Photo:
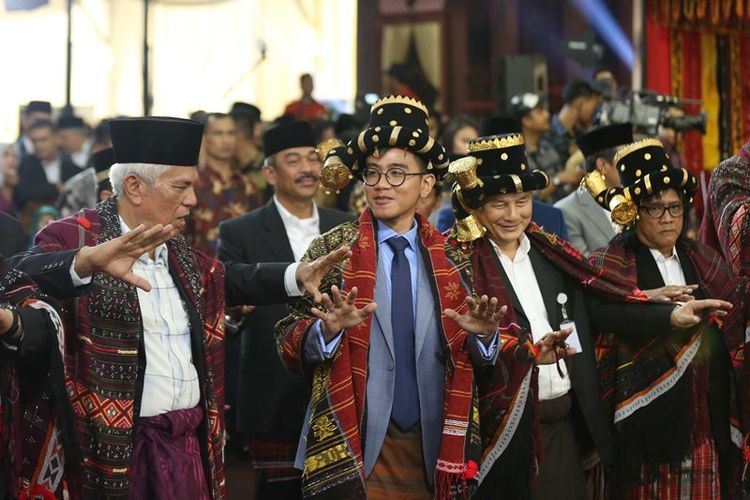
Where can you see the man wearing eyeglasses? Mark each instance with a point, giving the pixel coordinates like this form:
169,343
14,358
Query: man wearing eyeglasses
391,350
269,400
678,426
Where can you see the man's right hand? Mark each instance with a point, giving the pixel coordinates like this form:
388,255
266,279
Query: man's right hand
340,312
553,347
117,256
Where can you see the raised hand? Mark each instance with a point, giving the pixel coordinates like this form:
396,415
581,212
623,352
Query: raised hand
340,312
672,293
482,318
310,274
117,256
552,347
692,313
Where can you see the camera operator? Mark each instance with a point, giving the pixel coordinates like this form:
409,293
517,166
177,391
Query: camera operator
671,137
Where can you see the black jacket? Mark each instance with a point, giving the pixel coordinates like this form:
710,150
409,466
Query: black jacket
271,400
13,238
32,181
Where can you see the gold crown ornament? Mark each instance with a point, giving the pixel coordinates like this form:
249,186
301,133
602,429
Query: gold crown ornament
334,175
468,227
621,207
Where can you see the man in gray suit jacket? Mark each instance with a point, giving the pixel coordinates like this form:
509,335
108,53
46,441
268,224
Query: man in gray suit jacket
393,406
589,225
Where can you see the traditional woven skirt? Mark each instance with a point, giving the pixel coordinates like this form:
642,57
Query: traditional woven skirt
697,478
399,471
167,461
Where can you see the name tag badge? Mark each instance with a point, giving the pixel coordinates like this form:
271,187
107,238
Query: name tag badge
573,340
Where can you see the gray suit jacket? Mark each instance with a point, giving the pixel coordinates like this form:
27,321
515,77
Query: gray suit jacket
381,373
588,225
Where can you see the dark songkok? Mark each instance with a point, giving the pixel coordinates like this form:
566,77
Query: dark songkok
39,106
156,140
239,108
605,138
499,125
294,134
70,121
102,161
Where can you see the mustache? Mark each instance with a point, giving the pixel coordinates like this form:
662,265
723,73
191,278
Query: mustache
306,175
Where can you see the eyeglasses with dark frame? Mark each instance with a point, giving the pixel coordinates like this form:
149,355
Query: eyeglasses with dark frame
393,176
657,211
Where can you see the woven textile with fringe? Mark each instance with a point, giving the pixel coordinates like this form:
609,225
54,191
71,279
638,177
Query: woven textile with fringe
36,427
102,360
507,391
334,462
648,385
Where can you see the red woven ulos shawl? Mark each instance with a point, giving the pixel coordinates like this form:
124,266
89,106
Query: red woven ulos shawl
334,461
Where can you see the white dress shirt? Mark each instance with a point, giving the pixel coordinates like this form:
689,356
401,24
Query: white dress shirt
82,156
523,279
300,232
53,170
171,380
669,267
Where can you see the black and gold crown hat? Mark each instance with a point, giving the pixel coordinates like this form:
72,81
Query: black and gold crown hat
495,165
395,122
645,169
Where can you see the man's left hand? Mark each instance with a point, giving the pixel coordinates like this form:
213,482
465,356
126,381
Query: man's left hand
482,318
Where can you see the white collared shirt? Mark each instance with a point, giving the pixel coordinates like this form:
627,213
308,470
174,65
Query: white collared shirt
669,267
300,232
82,156
53,170
524,282
171,380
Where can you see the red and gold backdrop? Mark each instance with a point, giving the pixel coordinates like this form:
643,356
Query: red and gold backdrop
695,49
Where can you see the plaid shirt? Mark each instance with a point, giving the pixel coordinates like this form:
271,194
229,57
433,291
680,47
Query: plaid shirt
171,380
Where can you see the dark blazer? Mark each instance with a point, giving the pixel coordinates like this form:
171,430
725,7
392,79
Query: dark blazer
13,238
32,181
271,400
590,314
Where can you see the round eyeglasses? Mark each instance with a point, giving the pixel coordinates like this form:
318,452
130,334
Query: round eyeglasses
657,211
394,176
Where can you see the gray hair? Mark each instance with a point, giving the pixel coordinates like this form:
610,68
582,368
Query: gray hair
149,173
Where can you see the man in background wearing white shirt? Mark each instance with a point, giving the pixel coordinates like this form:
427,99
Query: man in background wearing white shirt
270,400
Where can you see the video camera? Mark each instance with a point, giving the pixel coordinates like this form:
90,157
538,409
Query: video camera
647,110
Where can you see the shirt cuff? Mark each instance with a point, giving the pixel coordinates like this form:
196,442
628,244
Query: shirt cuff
77,280
290,281
327,348
488,351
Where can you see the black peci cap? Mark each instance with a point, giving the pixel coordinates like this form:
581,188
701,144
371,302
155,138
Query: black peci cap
156,140
293,134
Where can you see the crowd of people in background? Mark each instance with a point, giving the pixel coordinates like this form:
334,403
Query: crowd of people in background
258,199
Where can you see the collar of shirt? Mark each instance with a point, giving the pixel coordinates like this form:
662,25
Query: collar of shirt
659,257
521,253
289,217
385,232
56,163
161,252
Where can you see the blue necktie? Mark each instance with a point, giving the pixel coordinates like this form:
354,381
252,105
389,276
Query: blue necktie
405,412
